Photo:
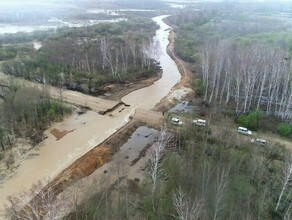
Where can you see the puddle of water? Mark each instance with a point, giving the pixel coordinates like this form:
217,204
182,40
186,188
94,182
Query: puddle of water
180,107
137,142
184,107
140,139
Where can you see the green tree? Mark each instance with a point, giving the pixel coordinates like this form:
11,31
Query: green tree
251,120
285,130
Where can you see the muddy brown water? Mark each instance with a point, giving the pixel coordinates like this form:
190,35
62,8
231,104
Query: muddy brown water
91,128
148,97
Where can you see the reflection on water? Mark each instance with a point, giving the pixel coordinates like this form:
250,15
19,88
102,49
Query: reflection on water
140,139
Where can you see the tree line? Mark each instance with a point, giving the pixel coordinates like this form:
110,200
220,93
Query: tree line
26,113
243,58
85,58
253,77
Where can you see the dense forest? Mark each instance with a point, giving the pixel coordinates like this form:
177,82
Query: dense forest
243,57
86,58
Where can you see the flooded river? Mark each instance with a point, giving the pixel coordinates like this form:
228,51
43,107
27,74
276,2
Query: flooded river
148,97
90,129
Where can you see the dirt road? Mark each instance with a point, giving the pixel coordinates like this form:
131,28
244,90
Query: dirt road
77,98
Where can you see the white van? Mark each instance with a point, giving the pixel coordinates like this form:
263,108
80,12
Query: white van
176,121
200,122
258,141
243,130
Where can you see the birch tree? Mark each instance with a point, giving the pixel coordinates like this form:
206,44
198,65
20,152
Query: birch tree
253,77
205,56
186,207
221,184
24,206
287,172
155,170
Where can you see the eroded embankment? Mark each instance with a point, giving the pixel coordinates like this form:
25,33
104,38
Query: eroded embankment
88,163
112,108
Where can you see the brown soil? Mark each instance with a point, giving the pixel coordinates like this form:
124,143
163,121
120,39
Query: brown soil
149,117
184,67
59,134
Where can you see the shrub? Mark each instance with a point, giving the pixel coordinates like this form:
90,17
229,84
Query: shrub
199,87
285,130
251,120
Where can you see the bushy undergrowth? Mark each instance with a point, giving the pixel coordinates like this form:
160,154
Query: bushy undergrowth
26,113
251,120
285,130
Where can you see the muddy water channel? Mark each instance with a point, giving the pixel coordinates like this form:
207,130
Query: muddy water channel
90,129
148,97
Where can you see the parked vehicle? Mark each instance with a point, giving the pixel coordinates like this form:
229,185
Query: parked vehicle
200,122
243,130
258,141
176,121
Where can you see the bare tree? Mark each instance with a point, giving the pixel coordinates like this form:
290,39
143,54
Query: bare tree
221,184
253,76
287,171
155,170
187,208
206,176
24,206
205,56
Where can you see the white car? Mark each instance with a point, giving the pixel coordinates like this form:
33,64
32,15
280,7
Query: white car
243,130
200,122
258,141
176,121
